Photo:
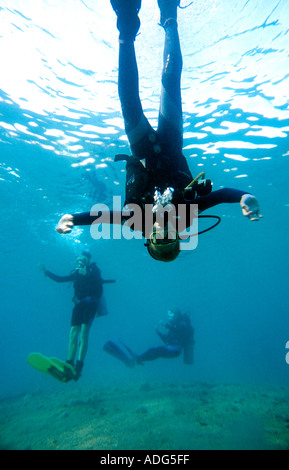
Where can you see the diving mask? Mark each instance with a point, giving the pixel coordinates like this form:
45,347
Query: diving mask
163,249
82,264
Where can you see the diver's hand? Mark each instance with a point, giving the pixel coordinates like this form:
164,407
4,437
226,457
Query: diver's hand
250,207
65,225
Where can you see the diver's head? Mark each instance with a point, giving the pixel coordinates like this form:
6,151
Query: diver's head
174,314
82,264
163,248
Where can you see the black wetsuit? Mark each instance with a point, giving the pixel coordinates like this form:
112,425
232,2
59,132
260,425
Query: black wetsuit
88,290
161,149
178,335
166,166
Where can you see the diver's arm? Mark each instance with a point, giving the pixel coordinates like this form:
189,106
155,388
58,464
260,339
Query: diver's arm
68,221
57,278
161,335
248,202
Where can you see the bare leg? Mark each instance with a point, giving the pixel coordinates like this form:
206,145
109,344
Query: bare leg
73,339
83,343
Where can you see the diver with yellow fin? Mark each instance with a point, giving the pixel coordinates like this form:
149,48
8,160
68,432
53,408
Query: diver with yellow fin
157,172
89,302
177,335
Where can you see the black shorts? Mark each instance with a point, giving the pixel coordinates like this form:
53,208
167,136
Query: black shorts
83,313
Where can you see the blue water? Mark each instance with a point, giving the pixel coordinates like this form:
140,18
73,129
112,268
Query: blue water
60,127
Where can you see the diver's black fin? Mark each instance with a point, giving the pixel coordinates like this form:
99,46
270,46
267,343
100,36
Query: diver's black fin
121,157
131,353
120,353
